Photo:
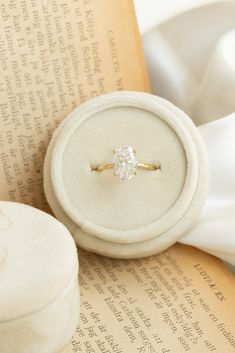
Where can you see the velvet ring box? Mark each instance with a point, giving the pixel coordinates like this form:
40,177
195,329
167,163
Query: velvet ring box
141,216
39,294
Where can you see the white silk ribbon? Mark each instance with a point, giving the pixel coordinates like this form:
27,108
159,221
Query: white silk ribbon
215,229
194,67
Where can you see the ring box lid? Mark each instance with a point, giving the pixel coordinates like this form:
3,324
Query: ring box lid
38,260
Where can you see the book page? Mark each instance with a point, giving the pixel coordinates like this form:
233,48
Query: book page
181,300
55,55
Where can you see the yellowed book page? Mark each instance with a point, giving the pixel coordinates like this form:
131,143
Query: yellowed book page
179,301
54,55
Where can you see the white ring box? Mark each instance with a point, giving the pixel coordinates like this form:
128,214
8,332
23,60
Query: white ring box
141,216
39,294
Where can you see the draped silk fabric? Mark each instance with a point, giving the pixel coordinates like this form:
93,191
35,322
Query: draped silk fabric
190,52
215,229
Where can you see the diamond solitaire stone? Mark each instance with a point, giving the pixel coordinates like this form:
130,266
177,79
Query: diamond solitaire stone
125,162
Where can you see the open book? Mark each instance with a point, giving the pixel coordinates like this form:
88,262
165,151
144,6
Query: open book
55,55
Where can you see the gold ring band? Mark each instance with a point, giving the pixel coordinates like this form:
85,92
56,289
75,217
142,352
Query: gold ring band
105,166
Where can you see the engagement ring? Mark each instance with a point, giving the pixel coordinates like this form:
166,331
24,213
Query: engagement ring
125,163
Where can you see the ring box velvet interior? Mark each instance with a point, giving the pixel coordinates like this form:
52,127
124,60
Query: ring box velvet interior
141,216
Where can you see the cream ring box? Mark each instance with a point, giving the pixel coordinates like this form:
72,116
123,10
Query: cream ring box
39,295
141,216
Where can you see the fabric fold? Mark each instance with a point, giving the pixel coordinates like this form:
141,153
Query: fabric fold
215,229
173,60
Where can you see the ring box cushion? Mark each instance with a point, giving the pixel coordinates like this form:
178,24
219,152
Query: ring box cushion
39,295
141,216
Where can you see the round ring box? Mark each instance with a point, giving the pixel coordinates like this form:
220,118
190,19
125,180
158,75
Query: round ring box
141,216
39,294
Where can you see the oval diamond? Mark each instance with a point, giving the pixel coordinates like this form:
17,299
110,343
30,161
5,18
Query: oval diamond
125,162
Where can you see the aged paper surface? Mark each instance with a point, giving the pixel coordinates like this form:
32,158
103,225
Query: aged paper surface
179,301
54,55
